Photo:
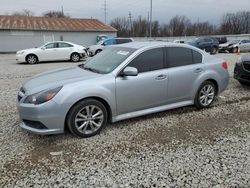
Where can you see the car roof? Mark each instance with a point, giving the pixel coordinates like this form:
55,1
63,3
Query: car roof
139,45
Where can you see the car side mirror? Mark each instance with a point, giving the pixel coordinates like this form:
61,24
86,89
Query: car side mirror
43,48
130,71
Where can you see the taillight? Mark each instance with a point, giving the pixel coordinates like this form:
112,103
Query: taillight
224,65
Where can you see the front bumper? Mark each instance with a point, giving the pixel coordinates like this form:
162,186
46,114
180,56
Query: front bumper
20,58
44,119
91,53
241,74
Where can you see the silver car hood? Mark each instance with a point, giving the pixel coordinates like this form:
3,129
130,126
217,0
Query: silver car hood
57,78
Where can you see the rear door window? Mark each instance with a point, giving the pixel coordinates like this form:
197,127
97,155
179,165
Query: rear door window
179,56
149,60
51,45
197,57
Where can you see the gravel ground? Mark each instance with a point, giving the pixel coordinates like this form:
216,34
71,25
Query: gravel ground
177,148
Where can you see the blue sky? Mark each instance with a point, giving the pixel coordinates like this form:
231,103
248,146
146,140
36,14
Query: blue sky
163,10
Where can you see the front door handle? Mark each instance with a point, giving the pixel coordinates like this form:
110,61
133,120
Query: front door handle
198,70
161,77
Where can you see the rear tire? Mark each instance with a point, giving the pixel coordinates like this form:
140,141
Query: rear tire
75,57
31,59
87,118
205,95
234,50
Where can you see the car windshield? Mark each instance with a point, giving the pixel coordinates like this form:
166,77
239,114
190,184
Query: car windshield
234,41
100,42
192,41
110,58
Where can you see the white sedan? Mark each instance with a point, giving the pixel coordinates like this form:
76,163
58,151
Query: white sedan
52,51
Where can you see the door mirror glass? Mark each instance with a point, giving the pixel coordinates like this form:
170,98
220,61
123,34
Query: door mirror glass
130,71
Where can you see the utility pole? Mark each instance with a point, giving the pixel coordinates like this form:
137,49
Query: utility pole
62,11
147,33
105,11
130,22
150,23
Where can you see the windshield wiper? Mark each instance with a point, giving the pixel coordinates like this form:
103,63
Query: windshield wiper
91,69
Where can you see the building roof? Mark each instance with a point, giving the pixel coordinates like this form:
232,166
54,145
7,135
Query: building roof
52,24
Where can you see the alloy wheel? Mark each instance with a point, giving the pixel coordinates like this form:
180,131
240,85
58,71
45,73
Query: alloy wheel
31,59
207,95
75,58
89,119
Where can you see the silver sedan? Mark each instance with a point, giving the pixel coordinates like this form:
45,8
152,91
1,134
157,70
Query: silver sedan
122,82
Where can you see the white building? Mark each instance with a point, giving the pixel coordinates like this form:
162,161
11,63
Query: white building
20,32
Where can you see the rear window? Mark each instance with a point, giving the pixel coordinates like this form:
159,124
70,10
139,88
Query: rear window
179,56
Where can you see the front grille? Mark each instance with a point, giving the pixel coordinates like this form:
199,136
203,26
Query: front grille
34,124
19,98
245,77
21,94
246,66
22,90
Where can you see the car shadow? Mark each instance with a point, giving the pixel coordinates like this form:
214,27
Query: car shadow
50,62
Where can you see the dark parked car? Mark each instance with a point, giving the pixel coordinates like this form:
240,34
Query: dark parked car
209,44
221,40
242,70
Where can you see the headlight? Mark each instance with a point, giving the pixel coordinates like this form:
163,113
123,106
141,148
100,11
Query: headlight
42,97
20,53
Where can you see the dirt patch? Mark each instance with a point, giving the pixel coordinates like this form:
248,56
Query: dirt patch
197,131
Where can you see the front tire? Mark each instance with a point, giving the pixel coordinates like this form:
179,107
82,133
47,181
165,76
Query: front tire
31,59
75,57
87,118
205,95
213,50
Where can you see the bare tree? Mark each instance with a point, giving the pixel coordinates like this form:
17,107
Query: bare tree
164,31
232,23
122,25
24,12
178,25
140,27
235,23
201,28
55,14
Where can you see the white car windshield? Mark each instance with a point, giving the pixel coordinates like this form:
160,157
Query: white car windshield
234,41
107,60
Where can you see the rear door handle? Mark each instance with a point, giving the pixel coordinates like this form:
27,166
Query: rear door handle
161,77
198,70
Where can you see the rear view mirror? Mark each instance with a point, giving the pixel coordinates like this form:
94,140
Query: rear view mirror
130,71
